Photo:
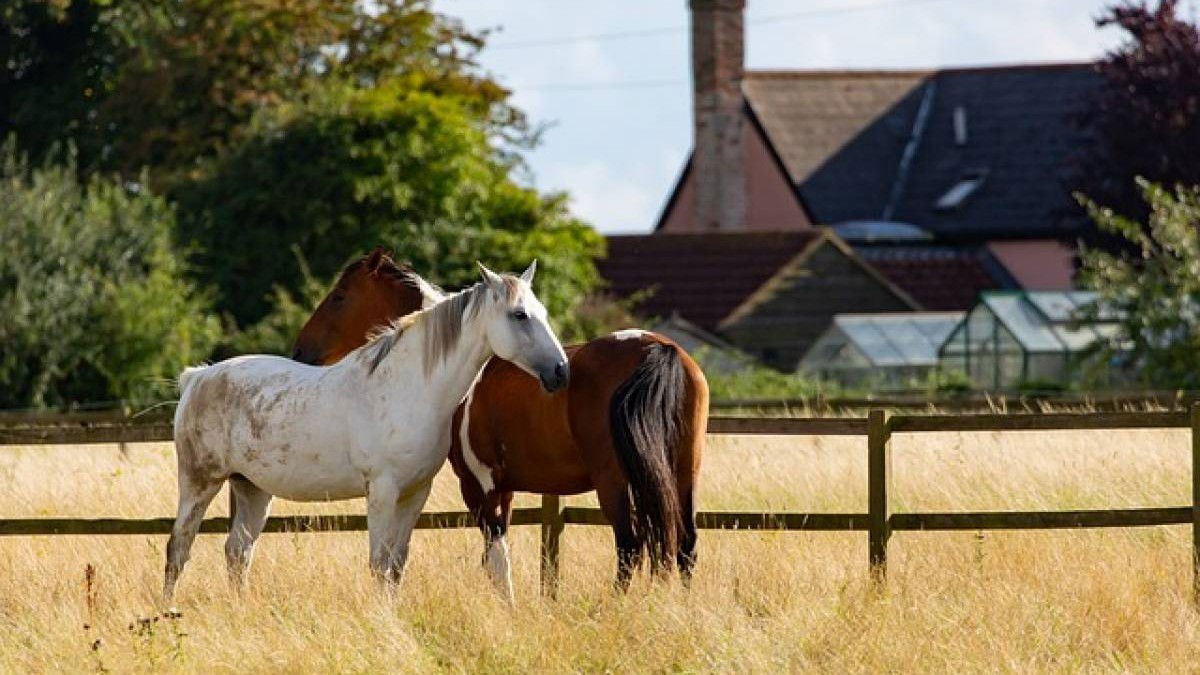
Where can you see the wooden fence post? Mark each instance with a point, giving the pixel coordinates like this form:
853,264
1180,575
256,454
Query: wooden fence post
1195,420
879,484
552,527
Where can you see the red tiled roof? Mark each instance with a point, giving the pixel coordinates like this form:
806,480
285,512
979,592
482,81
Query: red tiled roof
941,278
701,276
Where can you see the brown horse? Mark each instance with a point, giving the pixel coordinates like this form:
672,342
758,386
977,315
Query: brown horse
630,424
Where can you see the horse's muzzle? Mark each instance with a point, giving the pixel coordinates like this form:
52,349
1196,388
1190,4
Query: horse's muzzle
299,354
557,378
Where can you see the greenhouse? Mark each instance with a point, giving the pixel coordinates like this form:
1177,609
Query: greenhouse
1026,339
887,351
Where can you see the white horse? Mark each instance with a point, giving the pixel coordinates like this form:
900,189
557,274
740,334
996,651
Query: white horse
375,424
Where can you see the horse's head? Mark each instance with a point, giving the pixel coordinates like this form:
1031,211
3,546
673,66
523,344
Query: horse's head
371,292
518,330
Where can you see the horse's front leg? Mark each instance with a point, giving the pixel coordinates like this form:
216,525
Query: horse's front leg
391,516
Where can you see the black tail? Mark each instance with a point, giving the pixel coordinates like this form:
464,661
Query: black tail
644,421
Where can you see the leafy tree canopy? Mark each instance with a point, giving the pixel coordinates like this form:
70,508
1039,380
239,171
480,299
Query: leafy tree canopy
1146,119
162,84
1156,293
313,127
348,169
93,298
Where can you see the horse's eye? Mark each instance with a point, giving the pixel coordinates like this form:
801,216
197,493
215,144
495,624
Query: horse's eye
520,315
338,297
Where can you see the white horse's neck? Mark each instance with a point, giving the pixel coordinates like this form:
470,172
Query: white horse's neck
443,384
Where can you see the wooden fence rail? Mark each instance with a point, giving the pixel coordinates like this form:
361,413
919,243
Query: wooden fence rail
1100,401
879,521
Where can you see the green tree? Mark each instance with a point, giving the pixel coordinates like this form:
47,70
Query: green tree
276,332
351,169
327,125
1156,293
139,84
93,297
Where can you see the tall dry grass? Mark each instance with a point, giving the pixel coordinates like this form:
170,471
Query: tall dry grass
1114,600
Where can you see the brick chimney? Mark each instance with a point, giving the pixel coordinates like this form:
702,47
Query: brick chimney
717,160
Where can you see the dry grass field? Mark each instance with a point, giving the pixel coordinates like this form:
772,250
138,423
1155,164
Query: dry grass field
1116,600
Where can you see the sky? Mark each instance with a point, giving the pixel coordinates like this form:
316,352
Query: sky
618,108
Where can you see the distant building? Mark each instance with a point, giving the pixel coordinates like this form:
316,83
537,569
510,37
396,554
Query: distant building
884,351
946,183
717,355
1029,339
770,294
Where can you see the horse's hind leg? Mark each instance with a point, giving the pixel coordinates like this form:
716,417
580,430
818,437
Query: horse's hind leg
251,506
686,558
614,501
194,498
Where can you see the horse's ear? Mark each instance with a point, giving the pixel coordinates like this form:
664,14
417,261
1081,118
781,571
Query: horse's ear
527,275
375,258
492,279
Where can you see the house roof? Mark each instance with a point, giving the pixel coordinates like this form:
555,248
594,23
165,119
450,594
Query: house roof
842,137
940,278
1048,321
840,134
898,338
702,276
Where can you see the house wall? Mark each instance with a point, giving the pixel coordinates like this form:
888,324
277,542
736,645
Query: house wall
1038,264
780,330
771,201
772,205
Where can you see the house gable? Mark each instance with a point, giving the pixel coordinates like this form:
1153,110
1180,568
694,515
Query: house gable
701,276
781,321
772,203
840,134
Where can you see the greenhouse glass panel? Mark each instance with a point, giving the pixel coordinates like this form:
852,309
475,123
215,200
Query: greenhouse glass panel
1075,339
1010,338
937,328
914,347
956,344
1056,306
1010,370
1087,301
1047,368
1028,325
981,327
873,343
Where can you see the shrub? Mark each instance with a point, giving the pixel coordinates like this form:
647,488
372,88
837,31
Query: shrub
92,293
1154,294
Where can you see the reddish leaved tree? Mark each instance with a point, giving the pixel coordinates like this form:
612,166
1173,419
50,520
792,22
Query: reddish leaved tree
1145,120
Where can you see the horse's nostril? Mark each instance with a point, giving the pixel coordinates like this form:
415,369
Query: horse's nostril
560,370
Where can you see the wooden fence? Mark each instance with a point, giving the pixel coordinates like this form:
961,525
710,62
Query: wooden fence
879,521
1102,401
1027,401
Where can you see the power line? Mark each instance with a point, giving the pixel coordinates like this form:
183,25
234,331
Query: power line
591,86
666,30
